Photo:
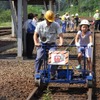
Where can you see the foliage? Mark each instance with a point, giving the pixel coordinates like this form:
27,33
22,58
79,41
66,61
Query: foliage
35,9
5,13
4,5
5,16
7,24
47,95
83,7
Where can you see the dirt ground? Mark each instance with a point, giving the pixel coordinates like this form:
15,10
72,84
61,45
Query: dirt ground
17,81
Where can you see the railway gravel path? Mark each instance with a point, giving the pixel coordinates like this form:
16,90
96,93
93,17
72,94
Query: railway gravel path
16,77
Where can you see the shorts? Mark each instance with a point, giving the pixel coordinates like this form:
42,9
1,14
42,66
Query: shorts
88,51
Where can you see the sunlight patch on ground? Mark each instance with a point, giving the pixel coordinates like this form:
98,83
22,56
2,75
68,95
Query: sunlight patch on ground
6,24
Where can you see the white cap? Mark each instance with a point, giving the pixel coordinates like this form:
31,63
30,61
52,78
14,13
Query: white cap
76,14
84,22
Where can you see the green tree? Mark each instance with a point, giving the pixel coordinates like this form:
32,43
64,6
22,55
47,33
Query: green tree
4,5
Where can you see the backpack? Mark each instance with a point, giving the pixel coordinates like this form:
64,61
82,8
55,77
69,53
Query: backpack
30,28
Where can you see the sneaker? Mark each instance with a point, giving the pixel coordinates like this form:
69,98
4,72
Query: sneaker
78,67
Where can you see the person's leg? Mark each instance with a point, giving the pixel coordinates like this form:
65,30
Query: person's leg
89,55
79,58
99,25
89,64
27,44
31,42
96,25
39,60
72,27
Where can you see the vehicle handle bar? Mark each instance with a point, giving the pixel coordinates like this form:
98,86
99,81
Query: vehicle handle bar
65,45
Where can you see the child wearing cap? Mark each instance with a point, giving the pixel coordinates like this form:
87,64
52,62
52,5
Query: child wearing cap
84,37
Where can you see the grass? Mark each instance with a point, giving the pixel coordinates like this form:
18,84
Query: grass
47,95
5,24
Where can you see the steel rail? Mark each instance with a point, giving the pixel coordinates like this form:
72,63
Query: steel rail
30,97
37,89
5,31
89,91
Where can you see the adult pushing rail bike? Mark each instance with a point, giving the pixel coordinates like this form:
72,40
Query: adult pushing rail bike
54,68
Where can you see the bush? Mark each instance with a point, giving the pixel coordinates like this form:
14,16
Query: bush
35,9
5,16
4,5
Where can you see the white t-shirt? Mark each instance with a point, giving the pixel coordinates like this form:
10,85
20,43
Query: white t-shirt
48,34
96,16
84,40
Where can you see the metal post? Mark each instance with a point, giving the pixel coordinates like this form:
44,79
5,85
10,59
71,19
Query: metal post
14,17
50,5
19,41
24,19
59,5
45,5
13,31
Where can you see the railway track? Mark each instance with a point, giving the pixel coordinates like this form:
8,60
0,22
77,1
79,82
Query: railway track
59,91
96,66
35,94
72,91
6,40
5,31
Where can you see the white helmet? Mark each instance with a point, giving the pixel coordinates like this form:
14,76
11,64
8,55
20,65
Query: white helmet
84,22
97,11
76,14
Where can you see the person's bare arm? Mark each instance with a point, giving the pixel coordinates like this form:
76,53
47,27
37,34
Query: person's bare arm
35,37
60,39
90,39
76,38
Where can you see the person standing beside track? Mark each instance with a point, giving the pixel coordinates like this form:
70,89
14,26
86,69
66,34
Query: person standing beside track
84,37
77,19
29,28
72,24
46,32
63,24
96,20
57,19
35,19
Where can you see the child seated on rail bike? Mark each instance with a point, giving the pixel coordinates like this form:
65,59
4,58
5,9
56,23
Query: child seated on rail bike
46,32
84,37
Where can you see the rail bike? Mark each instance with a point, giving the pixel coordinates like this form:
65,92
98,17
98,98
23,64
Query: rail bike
64,73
